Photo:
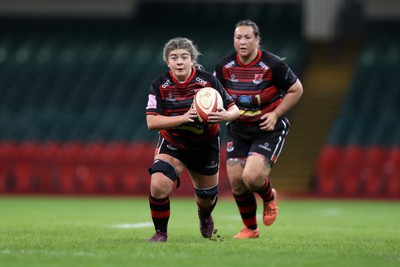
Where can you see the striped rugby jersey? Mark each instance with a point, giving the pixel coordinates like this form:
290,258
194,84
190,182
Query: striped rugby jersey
168,97
258,87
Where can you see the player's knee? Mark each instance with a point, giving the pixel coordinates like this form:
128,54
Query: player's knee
207,193
233,162
238,186
165,168
160,185
253,181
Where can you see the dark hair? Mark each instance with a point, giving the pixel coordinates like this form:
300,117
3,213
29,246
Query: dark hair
250,23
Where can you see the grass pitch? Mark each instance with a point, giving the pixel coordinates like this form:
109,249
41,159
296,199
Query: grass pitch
47,231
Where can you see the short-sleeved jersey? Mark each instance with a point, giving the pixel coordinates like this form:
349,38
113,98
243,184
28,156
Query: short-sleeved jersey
257,87
169,97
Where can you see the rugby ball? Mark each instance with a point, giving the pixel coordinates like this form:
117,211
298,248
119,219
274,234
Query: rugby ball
207,100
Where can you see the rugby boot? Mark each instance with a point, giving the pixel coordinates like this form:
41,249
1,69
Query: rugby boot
159,237
270,210
206,226
246,233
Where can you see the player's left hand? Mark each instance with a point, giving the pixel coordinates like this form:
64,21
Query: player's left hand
219,116
269,121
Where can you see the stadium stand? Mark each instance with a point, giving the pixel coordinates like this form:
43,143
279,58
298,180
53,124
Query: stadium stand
360,157
74,92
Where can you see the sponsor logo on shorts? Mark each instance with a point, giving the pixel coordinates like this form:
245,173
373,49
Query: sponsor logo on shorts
265,146
212,165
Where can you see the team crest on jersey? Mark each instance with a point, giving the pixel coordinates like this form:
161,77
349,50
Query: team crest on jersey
229,146
257,78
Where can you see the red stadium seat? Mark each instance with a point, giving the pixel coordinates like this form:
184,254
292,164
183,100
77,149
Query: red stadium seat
69,161
392,173
372,170
26,179
89,167
138,165
327,170
47,167
8,153
350,171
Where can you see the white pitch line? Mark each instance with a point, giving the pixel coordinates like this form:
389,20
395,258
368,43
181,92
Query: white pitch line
133,225
46,252
331,211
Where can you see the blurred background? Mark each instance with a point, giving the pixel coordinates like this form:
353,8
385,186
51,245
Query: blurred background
75,74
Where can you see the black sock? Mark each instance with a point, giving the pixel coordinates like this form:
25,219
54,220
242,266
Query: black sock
247,205
266,191
160,212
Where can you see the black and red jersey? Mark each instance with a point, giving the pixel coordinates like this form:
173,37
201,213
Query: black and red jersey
257,87
169,97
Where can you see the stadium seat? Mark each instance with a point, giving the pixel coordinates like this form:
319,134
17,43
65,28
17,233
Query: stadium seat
349,171
367,124
8,155
372,171
26,181
327,170
392,173
45,165
69,163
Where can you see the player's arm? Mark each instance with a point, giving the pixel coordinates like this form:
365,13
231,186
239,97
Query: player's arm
161,122
290,99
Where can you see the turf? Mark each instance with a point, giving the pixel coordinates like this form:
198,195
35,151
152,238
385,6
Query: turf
52,231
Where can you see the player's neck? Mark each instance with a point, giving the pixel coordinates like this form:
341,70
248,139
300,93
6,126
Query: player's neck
249,58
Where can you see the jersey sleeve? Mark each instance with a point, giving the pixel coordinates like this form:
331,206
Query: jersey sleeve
283,76
218,72
154,103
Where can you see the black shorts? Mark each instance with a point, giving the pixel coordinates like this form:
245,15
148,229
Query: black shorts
267,144
204,161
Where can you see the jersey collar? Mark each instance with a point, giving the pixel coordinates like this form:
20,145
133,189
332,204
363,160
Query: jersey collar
186,82
252,62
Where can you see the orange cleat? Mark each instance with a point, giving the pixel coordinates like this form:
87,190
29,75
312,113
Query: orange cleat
247,233
270,210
